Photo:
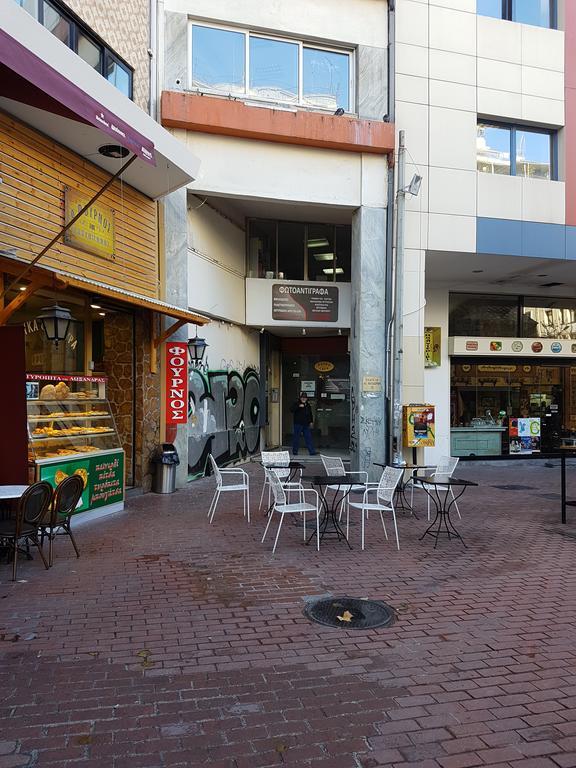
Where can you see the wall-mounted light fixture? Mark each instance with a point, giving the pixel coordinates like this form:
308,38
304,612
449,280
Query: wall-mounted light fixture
55,322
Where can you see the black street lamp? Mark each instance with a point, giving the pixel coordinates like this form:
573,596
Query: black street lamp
196,350
55,322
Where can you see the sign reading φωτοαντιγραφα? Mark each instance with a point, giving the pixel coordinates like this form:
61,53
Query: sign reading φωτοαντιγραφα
305,303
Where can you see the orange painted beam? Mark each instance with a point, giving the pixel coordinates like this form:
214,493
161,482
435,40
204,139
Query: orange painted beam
227,117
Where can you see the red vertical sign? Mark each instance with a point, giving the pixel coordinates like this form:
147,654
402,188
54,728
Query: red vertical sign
176,383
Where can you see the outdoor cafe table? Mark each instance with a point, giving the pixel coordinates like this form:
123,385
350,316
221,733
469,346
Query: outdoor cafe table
293,466
439,489
343,485
11,492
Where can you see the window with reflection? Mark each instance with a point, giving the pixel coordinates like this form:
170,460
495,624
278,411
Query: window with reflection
321,252
72,31
291,239
480,315
515,151
262,248
549,318
533,154
535,12
273,69
270,68
493,149
89,51
326,76
56,23
218,59
538,13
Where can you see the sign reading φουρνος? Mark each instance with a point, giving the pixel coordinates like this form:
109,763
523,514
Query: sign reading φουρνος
176,383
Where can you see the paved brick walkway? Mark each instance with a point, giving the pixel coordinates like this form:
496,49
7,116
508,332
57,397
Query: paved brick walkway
175,643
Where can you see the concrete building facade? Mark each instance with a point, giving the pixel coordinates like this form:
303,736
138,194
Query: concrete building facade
287,108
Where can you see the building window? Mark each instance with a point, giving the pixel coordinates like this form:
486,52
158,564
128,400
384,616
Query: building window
287,250
529,317
515,151
242,63
73,33
538,13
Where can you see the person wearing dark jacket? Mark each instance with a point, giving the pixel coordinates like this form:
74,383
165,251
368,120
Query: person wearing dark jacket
303,421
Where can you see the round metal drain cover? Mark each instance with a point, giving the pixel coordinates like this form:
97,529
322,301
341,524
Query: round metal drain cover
349,613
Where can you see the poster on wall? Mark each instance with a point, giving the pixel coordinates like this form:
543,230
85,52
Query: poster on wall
176,383
524,435
94,231
432,347
305,303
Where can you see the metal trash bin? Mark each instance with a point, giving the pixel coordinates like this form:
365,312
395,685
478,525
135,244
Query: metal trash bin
165,460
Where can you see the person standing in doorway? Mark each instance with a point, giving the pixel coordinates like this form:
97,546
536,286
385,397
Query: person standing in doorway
303,421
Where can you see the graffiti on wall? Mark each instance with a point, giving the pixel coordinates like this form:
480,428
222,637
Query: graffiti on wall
223,416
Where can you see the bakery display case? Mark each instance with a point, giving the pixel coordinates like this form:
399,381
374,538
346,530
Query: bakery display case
71,430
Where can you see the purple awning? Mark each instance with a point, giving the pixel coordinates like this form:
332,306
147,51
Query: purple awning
26,78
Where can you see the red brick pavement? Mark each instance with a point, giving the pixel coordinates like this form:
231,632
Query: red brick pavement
174,643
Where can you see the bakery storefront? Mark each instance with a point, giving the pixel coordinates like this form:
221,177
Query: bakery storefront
512,394
82,320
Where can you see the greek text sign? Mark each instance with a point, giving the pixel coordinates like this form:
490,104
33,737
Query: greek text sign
305,303
176,383
94,230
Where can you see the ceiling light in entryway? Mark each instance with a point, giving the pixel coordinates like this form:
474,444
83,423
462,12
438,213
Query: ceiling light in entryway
319,242
324,256
331,270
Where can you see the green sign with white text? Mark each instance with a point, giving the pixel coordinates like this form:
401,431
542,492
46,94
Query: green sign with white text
103,478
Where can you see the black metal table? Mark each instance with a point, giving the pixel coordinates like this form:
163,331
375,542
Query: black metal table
293,466
330,509
435,487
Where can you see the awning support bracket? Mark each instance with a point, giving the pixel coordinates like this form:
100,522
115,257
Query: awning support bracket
19,300
168,332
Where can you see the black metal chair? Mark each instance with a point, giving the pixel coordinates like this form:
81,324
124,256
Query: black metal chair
32,508
57,521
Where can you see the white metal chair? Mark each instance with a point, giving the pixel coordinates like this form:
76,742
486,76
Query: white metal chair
278,457
334,467
384,502
243,486
283,508
446,467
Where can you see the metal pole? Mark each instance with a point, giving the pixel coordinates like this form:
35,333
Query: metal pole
398,319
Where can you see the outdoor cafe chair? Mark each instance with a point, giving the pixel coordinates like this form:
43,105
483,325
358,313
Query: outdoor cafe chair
282,507
66,497
242,486
278,457
383,502
334,466
32,508
446,467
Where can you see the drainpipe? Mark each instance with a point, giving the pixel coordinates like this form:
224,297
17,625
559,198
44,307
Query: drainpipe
389,309
153,55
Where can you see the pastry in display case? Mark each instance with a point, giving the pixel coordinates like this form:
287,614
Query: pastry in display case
71,430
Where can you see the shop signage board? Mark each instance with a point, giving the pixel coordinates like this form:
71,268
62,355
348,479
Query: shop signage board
94,232
432,347
103,478
371,384
176,383
418,426
324,366
495,348
305,303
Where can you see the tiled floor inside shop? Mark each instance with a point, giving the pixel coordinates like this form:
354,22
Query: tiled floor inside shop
172,642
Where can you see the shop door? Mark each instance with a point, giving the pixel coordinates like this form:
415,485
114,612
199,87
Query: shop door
326,381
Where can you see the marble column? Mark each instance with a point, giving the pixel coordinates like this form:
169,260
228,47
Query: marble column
176,292
368,341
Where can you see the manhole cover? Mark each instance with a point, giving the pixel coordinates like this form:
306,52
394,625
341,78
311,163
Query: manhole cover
514,487
349,613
